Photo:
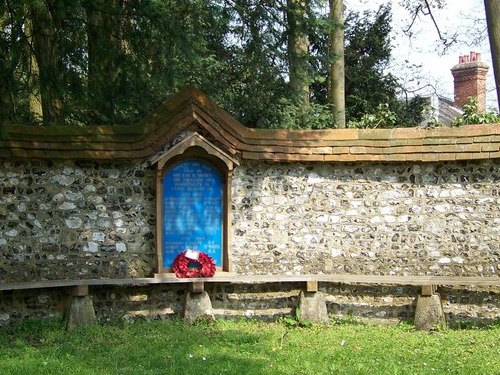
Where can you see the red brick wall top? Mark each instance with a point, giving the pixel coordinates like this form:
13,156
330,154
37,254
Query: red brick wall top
191,110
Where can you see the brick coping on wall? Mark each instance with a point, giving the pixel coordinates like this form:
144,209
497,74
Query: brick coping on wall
191,110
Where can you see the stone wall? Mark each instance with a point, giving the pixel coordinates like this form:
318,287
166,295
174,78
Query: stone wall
372,304
72,220
89,219
393,219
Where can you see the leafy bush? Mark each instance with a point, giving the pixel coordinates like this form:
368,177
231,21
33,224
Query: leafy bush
471,115
382,118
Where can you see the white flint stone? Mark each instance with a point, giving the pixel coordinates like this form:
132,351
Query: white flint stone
322,219
403,219
11,233
73,196
91,247
281,200
434,226
444,194
386,210
89,189
96,199
337,252
118,223
444,260
74,222
63,180
391,194
390,219
267,201
98,236
104,223
66,206
68,170
121,247
59,197
4,317
351,228
92,215
356,204
442,208
313,178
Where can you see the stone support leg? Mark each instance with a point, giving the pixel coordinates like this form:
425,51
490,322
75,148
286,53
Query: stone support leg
312,307
429,312
198,306
80,310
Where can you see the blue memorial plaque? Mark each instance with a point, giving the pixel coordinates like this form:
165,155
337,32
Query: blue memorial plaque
192,210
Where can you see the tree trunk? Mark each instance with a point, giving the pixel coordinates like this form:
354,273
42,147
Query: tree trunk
33,79
337,76
49,62
492,8
298,50
103,46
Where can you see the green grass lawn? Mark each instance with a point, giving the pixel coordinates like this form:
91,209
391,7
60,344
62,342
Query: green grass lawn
246,347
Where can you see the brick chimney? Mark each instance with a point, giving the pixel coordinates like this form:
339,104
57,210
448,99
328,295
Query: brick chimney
469,76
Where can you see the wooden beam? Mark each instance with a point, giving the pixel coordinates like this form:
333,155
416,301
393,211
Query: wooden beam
262,279
78,290
197,287
428,290
312,286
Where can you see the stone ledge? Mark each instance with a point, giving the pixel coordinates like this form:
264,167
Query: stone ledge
259,279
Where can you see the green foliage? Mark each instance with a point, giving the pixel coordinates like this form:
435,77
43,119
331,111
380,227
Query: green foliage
112,62
382,118
372,98
292,116
471,116
295,321
346,320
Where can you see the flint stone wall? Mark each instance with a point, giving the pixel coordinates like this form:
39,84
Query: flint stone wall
387,304
69,220
393,219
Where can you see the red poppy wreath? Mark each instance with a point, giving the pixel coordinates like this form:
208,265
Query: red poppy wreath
192,263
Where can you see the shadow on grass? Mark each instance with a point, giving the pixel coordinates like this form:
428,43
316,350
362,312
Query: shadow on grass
138,348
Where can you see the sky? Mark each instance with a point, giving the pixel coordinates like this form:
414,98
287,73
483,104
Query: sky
424,48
